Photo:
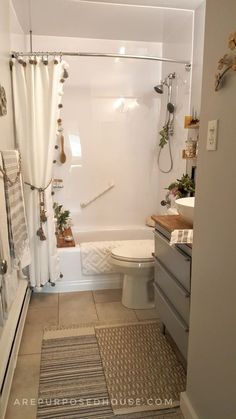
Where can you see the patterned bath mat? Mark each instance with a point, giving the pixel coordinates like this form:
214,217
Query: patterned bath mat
124,370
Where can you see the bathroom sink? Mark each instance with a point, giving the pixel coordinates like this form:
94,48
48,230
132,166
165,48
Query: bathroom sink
185,208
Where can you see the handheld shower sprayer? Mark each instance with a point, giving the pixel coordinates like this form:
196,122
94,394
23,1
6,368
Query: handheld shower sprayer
170,110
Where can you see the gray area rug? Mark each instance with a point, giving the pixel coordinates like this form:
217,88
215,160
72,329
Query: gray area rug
124,371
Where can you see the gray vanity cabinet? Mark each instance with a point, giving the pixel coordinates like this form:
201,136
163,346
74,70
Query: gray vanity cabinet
172,288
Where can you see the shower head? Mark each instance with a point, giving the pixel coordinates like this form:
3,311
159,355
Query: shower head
166,82
159,88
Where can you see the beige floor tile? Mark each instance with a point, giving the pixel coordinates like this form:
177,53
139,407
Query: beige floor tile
146,314
31,340
24,386
114,311
75,297
43,300
76,308
39,317
107,296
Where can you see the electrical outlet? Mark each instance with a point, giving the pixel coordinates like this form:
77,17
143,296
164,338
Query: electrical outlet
212,135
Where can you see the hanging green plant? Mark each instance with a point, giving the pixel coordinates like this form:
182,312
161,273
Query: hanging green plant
164,135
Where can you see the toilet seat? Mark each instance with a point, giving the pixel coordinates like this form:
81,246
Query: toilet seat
136,251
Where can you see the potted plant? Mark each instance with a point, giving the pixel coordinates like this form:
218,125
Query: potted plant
62,216
181,188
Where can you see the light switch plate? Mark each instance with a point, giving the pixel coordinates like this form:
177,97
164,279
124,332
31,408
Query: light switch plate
212,135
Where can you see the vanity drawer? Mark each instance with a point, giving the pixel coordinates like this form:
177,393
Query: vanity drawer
174,291
170,318
176,261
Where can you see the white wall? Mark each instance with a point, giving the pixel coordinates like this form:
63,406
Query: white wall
197,69
116,144
198,45
6,124
212,345
17,36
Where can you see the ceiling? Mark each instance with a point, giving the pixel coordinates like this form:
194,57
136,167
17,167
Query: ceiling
135,20
178,4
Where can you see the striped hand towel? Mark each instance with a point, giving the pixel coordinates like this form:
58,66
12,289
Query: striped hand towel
181,237
17,227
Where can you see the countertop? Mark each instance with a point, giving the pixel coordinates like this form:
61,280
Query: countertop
171,222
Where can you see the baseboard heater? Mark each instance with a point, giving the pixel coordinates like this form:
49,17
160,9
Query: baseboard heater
10,342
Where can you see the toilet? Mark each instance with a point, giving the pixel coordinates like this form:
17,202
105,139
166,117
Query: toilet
134,260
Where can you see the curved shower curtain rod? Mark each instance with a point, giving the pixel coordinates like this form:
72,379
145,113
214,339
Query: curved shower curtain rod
187,64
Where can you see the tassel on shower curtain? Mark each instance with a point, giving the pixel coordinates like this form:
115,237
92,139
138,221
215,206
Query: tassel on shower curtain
37,91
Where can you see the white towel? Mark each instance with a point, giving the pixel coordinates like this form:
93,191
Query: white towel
8,282
181,237
4,247
17,227
4,241
95,257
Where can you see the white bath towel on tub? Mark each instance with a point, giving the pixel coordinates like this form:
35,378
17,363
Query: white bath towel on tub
95,257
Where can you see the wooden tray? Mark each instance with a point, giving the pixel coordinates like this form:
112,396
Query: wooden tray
61,241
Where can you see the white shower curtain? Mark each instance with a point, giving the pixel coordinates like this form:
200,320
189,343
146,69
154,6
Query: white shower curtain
37,91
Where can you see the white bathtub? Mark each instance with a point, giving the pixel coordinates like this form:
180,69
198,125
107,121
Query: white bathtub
112,233
70,260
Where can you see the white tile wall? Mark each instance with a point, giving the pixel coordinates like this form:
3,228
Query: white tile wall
181,101
112,111
112,115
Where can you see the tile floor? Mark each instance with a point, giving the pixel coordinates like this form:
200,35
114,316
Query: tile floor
59,309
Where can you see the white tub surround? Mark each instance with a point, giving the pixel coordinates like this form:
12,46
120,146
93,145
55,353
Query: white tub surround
110,116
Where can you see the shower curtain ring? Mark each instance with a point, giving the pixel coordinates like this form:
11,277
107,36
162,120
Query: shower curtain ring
45,60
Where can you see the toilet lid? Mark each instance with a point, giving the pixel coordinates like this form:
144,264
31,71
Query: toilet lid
136,250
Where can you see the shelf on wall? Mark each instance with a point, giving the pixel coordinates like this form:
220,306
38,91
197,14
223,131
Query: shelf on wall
193,126
187,123
186,157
